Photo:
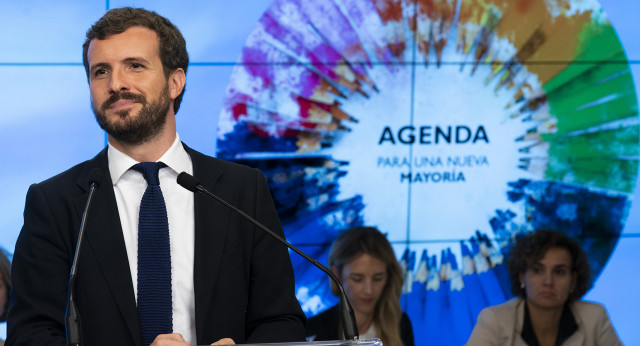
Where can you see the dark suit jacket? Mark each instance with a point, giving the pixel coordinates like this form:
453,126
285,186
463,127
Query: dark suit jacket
243,279
324,326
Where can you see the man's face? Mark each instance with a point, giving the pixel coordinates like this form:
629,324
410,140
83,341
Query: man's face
130,95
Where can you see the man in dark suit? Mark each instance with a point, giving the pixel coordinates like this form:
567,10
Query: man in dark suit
229,280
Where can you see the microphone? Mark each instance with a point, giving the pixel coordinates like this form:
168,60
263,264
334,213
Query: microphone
350,326
72,318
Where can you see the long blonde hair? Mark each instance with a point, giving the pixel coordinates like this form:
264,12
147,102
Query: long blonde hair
355,242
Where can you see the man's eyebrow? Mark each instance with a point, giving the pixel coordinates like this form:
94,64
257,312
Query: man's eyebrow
136,59
97,65
127,60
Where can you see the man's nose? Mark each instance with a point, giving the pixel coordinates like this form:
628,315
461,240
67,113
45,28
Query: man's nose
119,81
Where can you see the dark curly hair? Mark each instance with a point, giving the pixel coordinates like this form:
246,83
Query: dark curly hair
173,48
5,277
533,246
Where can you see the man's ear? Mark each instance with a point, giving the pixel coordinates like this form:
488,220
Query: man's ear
177,80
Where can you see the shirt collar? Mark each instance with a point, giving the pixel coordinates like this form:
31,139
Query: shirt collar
567,327
175,158
528,335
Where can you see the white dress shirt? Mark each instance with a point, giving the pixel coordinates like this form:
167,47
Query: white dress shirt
129,186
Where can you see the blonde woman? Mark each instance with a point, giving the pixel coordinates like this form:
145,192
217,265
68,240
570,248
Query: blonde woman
367,266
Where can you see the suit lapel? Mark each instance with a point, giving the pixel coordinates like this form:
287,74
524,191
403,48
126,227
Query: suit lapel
578,337
513,325
211,219
104,238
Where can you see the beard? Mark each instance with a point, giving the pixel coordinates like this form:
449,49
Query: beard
130,129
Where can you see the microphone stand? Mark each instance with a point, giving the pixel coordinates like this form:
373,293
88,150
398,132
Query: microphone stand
72,317
348,316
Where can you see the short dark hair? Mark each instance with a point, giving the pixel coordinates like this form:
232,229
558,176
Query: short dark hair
5,276
172,46
533,246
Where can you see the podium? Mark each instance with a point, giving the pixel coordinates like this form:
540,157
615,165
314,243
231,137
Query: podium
362,342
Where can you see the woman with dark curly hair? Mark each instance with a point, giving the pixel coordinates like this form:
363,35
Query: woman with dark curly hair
549,274
364,260
5,287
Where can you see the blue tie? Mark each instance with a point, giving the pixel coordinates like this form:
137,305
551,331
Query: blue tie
154,258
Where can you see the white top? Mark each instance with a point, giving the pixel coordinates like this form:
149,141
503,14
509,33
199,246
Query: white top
371,333
129,186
